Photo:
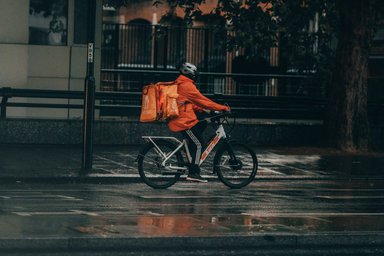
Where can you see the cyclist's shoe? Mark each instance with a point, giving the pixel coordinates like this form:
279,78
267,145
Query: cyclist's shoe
196,177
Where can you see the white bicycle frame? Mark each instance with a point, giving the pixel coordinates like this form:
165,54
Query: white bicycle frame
220,133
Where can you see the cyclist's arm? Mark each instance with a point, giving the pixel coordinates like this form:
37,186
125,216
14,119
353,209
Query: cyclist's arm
197,108
194,96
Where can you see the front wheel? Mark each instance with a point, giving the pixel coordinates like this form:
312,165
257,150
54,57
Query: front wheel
236,164
151,170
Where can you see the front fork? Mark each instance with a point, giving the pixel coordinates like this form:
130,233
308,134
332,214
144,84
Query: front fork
225,144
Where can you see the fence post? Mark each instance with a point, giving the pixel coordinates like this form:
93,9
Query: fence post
165,47
206,49
89,94
4,101
155,45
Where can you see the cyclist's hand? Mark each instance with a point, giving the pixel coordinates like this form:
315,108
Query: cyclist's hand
211,112
226,111
208,111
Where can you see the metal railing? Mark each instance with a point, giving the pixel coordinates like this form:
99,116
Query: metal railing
8,93
160,47
220,83
135,54
122,104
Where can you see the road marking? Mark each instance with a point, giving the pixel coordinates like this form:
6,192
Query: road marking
84,212
41,196
268,170
25,214
70,212
179,196
114,162
70,198
129,155
103,169
113,174
309,214
350,197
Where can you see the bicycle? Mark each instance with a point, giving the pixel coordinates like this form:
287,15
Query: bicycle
161,162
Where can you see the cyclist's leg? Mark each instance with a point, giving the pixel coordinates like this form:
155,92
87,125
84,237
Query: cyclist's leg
196,147
195,140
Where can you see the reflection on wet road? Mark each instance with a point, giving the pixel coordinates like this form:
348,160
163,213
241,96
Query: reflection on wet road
189,209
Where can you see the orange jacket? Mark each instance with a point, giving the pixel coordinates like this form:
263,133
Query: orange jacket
189,101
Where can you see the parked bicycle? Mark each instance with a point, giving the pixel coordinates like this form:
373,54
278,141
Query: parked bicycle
161,161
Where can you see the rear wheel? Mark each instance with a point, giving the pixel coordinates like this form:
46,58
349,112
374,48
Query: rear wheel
151,170
236,164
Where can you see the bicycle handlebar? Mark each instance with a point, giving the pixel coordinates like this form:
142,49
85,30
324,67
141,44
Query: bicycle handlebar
220,118
217,115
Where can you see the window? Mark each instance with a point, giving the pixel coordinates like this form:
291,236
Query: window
81,22
48,22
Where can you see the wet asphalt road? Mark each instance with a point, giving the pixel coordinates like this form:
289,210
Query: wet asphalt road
301,203
265,209
191,209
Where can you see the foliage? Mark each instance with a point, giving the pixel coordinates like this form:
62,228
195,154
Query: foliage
306,33
190,8
117,3
260,24
305,30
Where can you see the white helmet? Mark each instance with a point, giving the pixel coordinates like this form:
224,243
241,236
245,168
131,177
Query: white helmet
189,70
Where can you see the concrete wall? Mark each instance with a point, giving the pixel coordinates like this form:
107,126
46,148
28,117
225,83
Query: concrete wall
38,131
42,66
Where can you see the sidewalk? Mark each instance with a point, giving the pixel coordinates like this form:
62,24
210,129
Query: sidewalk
109,162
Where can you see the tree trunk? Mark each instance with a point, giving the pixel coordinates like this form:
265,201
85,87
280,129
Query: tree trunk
347,119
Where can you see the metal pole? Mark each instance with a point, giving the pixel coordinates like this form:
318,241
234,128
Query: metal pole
89,91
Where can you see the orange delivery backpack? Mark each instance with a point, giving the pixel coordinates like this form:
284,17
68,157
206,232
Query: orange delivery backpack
159,102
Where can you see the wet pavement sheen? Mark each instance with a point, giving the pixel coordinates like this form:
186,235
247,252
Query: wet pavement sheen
34,161
190,209
296,195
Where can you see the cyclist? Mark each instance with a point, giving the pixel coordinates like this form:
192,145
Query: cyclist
190,100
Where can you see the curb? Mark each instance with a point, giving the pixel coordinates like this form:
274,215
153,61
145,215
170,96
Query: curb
118,179
359,243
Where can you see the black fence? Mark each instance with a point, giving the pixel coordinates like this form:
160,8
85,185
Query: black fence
137,46
217,83
18,98
134,55
128,104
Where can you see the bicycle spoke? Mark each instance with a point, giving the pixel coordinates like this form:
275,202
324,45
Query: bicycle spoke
236,165
151,167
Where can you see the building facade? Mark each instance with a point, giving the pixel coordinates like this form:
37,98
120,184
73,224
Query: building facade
44,47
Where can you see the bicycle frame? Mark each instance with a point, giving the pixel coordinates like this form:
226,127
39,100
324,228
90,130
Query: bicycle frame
163,154
220,134
163,160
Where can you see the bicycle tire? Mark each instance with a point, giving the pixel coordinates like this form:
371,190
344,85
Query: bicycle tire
150,169
238,172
